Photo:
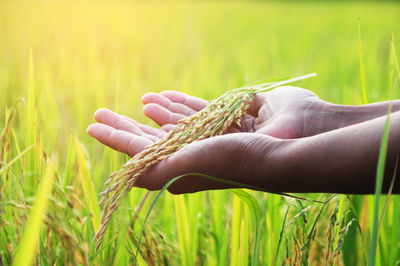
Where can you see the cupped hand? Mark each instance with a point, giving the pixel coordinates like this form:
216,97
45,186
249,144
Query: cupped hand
279,113
285,112
237,157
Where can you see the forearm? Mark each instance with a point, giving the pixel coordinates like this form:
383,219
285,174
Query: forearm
339,161
334,116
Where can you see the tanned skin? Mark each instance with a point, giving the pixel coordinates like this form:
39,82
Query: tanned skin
290,141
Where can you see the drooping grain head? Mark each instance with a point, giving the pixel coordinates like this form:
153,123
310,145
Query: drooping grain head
213,120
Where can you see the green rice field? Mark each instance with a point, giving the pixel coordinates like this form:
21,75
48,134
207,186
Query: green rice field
62,60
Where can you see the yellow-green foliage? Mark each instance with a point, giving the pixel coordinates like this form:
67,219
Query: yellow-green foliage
68,58
29,241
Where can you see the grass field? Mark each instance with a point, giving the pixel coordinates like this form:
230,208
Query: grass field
60,61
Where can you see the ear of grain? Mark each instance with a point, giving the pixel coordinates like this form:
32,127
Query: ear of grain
211,121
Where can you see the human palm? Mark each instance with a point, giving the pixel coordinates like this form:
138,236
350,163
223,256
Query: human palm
255,151
281,113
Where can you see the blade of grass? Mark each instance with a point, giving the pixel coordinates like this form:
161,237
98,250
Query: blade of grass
30,237
349,248
340,215
241,185
87,185
395,232
244,247
194,206
307,244
381,166
254,208
9,164
281,233
183,230
218,226
378,189
33,162
172,181
269,86
235,231
70,158
153,203
362,70
394,57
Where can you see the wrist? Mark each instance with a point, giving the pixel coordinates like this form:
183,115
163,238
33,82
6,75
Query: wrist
292,168
324,116
264,163
334,116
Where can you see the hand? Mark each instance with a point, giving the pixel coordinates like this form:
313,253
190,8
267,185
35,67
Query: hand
126,135
231,156
277,113
281,113
237,157
285,112
258,159
339,161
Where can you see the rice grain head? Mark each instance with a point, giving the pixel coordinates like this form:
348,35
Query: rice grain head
211,121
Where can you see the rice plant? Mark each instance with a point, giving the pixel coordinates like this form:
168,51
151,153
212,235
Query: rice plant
60,61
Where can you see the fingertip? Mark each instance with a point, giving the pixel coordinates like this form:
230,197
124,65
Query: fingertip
148,97
99,131
88,129
174,96
256,104
145,109
93,129
180,97
102,112
151,108
167,127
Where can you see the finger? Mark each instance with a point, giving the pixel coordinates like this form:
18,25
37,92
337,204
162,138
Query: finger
161,115
247,123
258,101
179,97
147,129
119,140
167,127
165,102
117,121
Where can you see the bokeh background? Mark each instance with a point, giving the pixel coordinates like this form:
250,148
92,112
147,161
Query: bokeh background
87,55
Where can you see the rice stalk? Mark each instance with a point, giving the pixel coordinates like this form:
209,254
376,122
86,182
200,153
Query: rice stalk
211,121
254,210
29,241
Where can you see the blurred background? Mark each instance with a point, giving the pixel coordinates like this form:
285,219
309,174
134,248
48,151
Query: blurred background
87,55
